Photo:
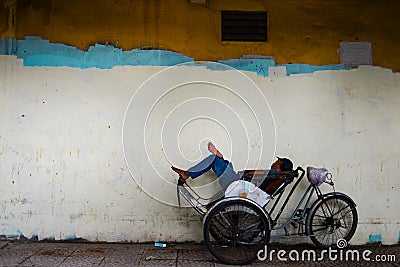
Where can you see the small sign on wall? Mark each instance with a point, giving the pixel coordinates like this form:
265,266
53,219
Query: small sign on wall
353,54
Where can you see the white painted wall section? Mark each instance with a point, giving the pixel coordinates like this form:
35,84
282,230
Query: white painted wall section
64,173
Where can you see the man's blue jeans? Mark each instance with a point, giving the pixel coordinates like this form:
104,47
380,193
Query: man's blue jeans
222,168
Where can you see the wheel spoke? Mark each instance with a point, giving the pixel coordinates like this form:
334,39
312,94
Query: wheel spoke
337,216
320,229
346,213
340,210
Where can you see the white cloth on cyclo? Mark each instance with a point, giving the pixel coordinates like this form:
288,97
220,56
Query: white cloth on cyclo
254,193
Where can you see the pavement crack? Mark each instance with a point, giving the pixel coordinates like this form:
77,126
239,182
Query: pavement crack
5,244
69,256
102,260
27,258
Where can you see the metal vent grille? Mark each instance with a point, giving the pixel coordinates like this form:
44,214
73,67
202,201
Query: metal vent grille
244,26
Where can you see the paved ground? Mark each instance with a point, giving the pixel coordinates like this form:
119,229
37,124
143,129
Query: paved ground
28,253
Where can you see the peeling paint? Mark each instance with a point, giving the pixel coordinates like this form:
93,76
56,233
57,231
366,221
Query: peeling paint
375,238
38,52
19,200
70,237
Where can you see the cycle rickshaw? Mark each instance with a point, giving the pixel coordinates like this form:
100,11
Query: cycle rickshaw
237,227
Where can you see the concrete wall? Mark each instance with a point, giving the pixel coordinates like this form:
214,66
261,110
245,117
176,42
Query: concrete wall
85,153
88,131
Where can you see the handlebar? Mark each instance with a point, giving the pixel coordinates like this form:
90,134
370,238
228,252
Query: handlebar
328,179
296,172
289,177
299,168
330,183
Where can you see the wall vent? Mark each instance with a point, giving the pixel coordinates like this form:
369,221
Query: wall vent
244,26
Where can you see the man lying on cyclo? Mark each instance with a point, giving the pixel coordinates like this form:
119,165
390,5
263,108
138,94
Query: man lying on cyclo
227,175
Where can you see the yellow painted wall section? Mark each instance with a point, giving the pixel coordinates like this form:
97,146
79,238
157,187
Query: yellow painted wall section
298,31
7,18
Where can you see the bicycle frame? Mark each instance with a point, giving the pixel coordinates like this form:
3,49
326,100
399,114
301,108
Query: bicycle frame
196,201
298,216
304,217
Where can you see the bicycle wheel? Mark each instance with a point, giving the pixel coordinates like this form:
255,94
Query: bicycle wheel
332,218
235,230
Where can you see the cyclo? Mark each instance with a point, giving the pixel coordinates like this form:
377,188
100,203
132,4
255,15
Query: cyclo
236,228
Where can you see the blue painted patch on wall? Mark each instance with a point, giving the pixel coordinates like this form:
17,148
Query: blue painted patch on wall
36,51
375,238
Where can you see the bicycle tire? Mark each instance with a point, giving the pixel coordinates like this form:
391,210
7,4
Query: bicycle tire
235,230
330,214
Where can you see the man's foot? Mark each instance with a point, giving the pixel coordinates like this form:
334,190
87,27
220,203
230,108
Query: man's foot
214,150
182,173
